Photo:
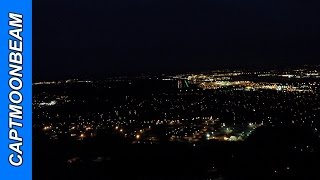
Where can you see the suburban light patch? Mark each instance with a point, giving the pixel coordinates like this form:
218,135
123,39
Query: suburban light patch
16,84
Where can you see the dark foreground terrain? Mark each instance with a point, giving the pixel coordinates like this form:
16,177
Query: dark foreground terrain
269,153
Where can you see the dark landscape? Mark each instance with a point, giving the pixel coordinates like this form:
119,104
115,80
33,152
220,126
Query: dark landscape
221,124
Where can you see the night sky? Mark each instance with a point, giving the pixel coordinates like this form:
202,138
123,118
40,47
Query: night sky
76,37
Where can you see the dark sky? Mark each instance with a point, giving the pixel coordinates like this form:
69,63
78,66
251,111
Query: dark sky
76,37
